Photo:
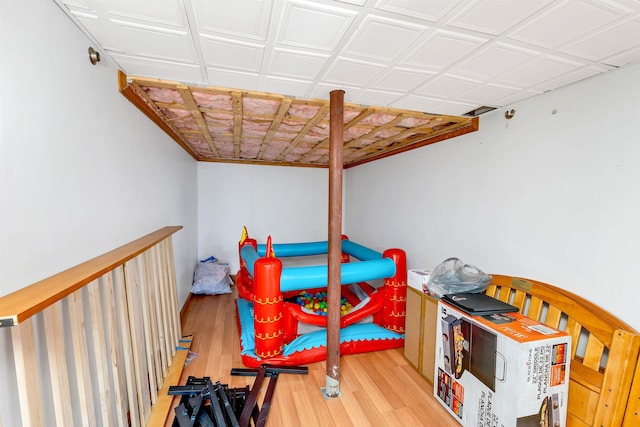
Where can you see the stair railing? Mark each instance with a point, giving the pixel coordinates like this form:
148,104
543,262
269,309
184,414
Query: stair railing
94,344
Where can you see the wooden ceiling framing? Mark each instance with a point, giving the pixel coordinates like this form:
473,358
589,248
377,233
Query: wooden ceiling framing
236,126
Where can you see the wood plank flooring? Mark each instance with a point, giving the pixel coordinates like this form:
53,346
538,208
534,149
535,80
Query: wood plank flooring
378,388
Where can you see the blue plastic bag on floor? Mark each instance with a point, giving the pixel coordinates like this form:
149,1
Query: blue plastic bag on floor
211,278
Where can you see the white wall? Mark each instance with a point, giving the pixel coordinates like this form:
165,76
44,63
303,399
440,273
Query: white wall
552,197
82,171
288,203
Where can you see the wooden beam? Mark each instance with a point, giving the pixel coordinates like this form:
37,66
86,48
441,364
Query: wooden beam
472,127
322,111
275,123
187,96
138,97
237,122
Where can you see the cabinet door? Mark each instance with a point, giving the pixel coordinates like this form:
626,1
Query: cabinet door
428,340
413,328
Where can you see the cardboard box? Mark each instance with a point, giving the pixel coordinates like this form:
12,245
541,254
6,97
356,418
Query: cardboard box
501,370
417,279
420,332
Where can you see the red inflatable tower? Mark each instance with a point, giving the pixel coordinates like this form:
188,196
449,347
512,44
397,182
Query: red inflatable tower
395,306
268,319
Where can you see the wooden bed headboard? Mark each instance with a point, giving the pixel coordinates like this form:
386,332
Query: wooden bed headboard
604,351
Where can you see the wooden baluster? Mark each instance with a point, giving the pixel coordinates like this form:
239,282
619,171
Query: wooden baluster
101,353
169,320
24,353
127,345
151,328
81,359
170,315
115,355
162,305
56,355
148,327
136,326
173,288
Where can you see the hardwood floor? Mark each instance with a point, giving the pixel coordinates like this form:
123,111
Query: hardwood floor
378,388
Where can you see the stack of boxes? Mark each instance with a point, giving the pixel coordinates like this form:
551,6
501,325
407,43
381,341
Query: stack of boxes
501,369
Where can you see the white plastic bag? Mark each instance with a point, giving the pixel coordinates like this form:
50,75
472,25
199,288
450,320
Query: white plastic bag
453,276
211,278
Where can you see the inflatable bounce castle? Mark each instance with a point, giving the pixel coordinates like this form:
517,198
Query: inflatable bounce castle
282,311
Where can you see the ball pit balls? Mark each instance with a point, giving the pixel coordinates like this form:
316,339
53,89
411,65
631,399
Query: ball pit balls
318,303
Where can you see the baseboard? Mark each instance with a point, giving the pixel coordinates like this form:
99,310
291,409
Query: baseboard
183,310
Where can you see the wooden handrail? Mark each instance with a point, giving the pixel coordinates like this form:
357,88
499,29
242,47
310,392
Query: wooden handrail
116,318
20,305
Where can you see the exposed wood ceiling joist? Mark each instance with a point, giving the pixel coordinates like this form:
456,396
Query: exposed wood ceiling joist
229,125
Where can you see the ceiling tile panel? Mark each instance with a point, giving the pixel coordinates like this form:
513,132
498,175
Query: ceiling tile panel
377,97
418,103
446,86
314,26
286,86
242,18
143,39
570,77
516,97
233,79
488,94
352,72
323,91
627,57
401,80
159,69
167,12
219,52
609,42
441,49
382,39
565,22
457,108
495,16
492,61
433,10
355,2
83,4
296,64
541,69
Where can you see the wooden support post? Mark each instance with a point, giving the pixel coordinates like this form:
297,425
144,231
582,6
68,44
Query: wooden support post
336,123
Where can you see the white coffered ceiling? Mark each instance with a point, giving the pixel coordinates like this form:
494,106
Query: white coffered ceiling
436,56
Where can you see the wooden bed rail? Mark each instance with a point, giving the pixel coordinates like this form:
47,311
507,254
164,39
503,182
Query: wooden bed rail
92,345
604,384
